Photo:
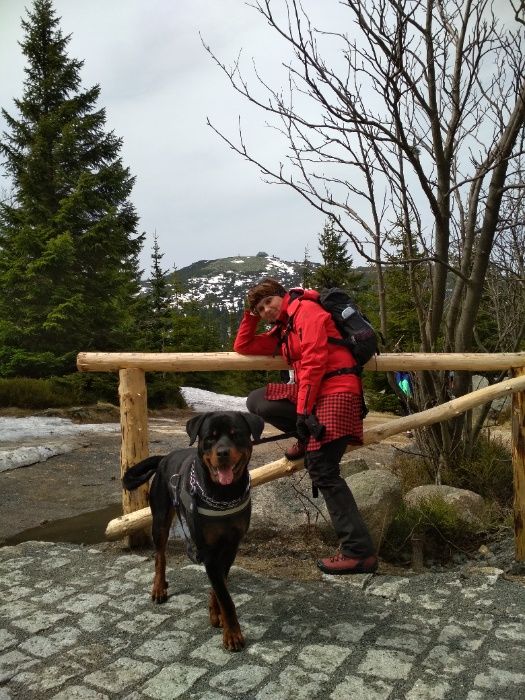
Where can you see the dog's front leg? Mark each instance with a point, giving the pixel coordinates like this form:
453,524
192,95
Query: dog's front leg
232,637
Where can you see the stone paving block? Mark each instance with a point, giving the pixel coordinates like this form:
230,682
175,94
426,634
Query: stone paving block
323,657
93,621
42,646
180,603
172,682
140,623
12,662
38,621
55,563
459,637
497,679
294,683
358,688
121,674
415,643
48,677
7,639
83,602
388,587
514,631
99,654
241,680
79,692
213,652
254,629
271,651
164,646
386,664
55,595
443,659
347,632
16,593
428,690
17,608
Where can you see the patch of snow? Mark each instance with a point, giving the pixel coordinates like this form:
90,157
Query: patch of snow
25,456
240,260
16,429
202,401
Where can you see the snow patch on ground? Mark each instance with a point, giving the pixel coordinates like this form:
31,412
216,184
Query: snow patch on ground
48,430
201,400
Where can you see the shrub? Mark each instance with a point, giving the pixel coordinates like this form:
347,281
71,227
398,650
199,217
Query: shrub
439,527
164,391
487,472
411,470
24,392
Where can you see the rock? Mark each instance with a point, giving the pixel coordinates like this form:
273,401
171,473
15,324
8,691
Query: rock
353,466
378,496
468,505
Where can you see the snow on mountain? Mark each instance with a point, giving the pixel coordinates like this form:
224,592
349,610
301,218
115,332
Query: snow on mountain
224,282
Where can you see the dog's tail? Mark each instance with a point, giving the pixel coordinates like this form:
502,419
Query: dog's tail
139,473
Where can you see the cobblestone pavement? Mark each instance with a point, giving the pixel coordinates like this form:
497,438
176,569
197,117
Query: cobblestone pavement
77,622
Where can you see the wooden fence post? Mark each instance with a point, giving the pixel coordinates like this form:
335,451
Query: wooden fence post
518,464
134,445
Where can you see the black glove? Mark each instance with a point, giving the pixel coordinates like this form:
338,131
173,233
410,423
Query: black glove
302,429
306,425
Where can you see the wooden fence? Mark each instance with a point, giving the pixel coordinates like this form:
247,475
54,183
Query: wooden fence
134,424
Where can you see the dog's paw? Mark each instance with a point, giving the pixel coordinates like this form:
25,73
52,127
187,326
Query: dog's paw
233,639
159,595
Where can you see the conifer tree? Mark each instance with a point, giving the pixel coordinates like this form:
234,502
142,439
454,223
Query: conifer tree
336,268
306,270
69,274
159,303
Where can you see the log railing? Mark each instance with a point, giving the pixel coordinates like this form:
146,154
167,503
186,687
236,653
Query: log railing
134,425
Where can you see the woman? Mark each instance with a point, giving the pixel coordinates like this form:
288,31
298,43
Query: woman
324,406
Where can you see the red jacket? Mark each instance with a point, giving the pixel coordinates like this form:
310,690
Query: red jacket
307,348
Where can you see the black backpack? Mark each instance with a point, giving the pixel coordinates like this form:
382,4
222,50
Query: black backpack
356,331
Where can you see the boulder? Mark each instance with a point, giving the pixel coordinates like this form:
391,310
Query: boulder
288,502
468,505
378,496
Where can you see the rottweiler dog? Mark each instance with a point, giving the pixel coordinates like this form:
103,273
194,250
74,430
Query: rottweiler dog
209,490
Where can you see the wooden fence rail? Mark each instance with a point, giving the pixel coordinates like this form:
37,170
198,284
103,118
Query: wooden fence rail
134,424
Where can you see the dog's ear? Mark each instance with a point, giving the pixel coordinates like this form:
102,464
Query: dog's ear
255,423
194,425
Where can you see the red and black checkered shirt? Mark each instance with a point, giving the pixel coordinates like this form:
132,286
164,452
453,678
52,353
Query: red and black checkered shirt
341,414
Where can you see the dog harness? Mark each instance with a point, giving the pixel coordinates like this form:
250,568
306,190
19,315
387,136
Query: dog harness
187,490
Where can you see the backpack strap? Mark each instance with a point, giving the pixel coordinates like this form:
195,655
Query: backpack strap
357,369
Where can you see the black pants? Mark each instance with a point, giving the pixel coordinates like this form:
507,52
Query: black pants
323,467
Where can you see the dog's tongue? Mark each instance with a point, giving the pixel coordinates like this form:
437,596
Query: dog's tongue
225,476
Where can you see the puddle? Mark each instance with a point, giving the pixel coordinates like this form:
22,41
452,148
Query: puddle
87,528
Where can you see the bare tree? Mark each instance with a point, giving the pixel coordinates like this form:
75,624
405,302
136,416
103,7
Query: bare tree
415,130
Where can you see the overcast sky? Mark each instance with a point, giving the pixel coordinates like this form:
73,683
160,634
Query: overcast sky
158,85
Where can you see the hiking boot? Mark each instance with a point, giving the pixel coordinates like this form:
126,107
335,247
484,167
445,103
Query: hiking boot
295,451
342,564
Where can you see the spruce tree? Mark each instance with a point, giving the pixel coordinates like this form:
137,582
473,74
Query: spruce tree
69,274
336,268
159,299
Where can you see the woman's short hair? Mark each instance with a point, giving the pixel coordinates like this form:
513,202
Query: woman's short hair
267,287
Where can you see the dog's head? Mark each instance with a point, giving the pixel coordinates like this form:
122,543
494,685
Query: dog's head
224,442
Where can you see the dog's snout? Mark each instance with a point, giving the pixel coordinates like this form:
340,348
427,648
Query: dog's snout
223,452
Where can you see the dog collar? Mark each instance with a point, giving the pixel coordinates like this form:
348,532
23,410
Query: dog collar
215,507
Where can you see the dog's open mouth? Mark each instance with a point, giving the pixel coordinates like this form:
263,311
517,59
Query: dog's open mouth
227,473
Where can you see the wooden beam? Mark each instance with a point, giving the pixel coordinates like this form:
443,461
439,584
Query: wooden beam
119,527
518,466
135,445
218,361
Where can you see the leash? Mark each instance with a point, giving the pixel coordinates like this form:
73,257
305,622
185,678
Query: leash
274,438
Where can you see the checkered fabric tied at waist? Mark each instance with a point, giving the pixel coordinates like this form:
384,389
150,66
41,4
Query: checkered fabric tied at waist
339,413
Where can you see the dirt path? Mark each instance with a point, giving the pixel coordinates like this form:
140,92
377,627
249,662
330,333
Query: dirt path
81,491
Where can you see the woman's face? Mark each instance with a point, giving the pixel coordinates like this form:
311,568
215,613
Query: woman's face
269,308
